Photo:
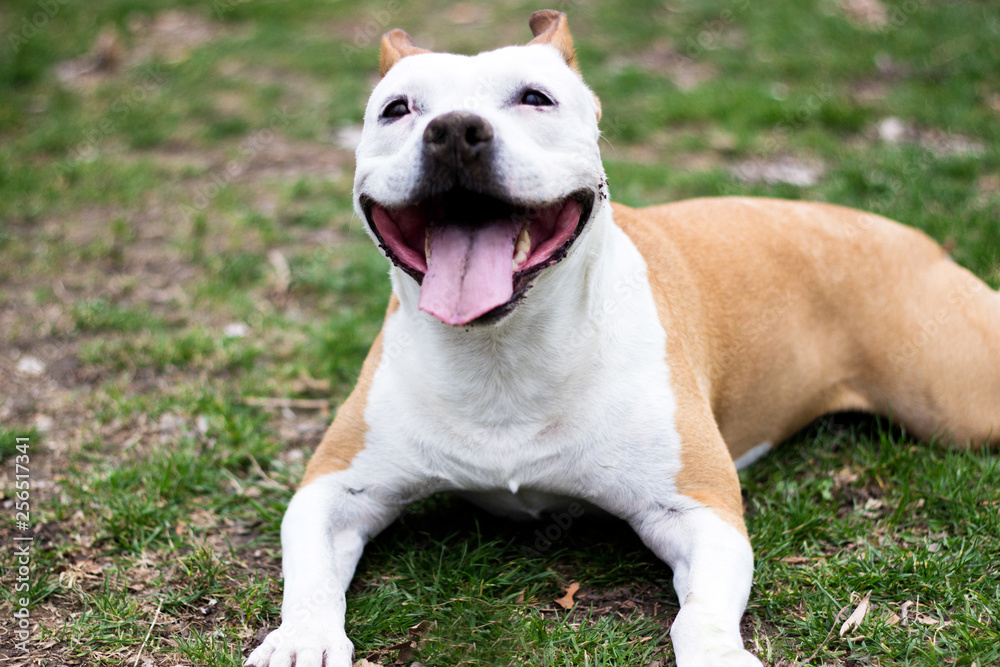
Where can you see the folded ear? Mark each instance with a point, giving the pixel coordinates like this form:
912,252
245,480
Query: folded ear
396,44
551,27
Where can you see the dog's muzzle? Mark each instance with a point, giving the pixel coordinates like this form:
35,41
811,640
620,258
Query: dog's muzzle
472,248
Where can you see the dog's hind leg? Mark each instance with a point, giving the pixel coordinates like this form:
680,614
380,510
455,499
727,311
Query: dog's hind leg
936,368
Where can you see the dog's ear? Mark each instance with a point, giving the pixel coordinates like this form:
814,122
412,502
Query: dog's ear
396,44
551,27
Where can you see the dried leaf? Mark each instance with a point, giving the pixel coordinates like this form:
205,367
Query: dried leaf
566,601
282,272
796,560
904,612
893,619
420,629
407,652
520,597
845,476
857,616
924,619
364,663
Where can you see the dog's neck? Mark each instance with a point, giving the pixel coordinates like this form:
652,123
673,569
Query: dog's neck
537,352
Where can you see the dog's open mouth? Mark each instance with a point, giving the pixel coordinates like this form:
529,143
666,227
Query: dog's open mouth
475,254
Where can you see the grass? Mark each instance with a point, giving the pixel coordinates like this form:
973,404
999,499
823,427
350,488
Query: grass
178,239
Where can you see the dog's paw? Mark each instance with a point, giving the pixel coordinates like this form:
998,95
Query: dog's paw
701,640
735,657
302,647
717,656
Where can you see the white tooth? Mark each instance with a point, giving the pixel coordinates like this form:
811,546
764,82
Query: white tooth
523,242
427,245
522,247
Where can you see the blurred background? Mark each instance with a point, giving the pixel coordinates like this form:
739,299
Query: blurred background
186,296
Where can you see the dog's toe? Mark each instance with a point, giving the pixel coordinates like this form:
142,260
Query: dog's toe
303,648
740,659
310,657
261,656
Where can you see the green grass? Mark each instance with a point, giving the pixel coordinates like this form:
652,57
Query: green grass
875,513
146,211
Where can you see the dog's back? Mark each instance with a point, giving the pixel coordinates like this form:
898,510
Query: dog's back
790,310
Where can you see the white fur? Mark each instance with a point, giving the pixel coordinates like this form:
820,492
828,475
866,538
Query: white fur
753,455
543,153
568,387
713,569
567,398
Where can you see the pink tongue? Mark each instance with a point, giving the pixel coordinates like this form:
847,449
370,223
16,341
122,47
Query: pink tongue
469,271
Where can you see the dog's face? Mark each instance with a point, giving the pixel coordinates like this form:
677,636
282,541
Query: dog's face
476,173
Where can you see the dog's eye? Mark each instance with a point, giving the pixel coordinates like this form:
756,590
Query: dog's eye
396,109
535,98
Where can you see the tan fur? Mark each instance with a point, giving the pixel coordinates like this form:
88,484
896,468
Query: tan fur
551,27
707,473
346,435
795,310
396,45
779,312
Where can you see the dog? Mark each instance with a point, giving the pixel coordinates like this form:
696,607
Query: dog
544,346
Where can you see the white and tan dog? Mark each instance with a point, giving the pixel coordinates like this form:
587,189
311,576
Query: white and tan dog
544,346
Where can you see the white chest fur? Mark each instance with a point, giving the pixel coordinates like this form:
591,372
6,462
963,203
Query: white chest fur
568,398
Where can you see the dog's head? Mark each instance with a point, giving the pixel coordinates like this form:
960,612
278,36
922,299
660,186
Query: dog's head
477,173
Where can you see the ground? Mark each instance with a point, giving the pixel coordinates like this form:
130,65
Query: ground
186,297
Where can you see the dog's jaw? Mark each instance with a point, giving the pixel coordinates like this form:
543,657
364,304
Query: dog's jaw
475,256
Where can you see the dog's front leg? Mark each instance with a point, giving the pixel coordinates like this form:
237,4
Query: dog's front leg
713,569
322,536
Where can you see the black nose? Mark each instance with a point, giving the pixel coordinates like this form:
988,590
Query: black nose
458,137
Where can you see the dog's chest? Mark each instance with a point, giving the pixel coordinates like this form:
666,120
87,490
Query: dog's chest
612,438
568,412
